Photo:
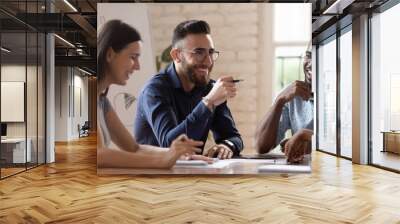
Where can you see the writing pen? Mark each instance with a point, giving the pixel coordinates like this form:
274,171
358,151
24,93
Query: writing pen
237,80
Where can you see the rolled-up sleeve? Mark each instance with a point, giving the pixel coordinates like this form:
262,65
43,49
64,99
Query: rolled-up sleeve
284,124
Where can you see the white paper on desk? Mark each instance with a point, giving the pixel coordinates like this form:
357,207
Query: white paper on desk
203,164
222,163
255,161
191,163
284,168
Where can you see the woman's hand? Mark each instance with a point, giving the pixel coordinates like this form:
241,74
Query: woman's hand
182,145
197,157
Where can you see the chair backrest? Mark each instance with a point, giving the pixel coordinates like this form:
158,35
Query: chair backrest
86,125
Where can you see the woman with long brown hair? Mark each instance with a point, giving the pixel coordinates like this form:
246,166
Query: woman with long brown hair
118,51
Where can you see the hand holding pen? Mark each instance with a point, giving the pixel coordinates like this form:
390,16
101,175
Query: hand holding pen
224,88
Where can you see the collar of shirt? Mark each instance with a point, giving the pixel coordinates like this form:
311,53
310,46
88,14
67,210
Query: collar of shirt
176,82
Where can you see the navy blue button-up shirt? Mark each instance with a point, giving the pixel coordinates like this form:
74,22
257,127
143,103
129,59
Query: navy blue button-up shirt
165,111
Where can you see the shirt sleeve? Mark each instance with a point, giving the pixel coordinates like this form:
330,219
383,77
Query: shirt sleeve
224,128
310,125
284,124
163,121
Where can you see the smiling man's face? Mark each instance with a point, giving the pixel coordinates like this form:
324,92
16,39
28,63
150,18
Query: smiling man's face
196,61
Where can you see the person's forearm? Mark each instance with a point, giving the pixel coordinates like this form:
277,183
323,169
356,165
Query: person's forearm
152,149
123,159
125,141
193,126
267,132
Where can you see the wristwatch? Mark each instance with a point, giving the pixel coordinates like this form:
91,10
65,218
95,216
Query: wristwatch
230,145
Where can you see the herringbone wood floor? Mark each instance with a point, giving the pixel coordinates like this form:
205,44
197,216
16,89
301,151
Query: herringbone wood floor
69,191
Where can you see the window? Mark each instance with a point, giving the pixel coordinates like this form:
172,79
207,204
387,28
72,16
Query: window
346,94
22,66
327,96
288,66
385,88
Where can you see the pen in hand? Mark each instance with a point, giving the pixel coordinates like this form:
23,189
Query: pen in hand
237,80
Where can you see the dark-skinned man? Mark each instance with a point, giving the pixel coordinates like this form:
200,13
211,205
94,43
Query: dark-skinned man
293,109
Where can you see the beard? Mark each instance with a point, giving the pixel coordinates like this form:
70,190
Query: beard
308,77
199,80
307,72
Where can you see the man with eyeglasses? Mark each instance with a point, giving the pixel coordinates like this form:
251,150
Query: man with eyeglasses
293,110
183,99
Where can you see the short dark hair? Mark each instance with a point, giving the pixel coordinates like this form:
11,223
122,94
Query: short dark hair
117,35
189,27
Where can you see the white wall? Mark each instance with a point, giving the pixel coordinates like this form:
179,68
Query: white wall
68,81
17,73
33,127
80,83
61,104
14,73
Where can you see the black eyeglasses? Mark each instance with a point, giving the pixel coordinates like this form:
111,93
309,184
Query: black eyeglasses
200,54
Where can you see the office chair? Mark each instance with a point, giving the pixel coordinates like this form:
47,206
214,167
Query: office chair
84,130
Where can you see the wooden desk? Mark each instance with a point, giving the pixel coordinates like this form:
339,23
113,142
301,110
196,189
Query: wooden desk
229,166
391,141
13,150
